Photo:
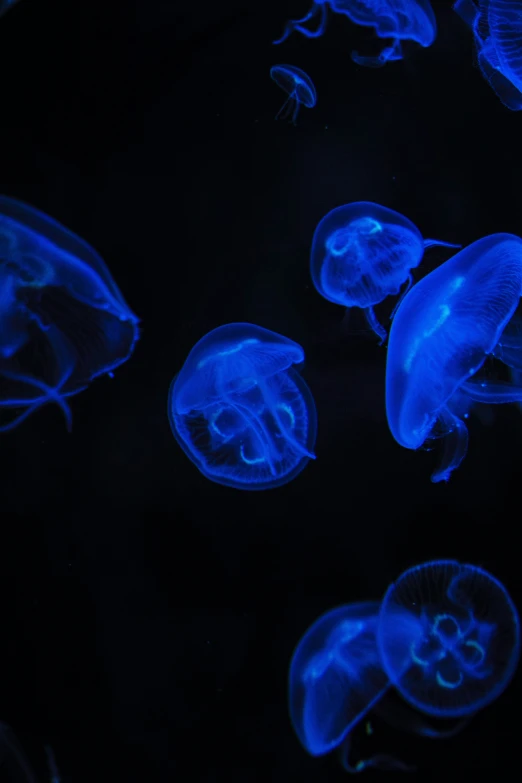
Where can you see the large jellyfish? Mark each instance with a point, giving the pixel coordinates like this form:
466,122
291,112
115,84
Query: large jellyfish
299,88
396,19
63,321
497,29
364,252
445,328
449,638
239,409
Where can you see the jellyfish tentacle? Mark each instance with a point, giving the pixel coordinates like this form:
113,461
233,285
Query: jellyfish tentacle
285,109
455,446
434,242
297,24
380,761
494,393
374,324
388,54
409,283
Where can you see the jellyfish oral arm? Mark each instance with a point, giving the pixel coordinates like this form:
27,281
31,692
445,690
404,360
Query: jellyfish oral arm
455,446
433,242
388,54
409,283
493,393
296,24
374,324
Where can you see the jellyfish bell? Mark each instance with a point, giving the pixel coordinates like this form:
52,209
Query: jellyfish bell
241,411
449,638
442,333
63,319
399,20
363,252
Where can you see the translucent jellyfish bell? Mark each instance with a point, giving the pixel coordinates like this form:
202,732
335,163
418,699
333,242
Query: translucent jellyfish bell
442,333
240,410
449,638
299,87
63,320
335,676
363,252
396,19
497,28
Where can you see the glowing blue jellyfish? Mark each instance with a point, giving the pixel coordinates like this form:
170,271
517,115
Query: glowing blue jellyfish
239,409
399,20
449,638
299,87
362,253
63,320
335,678
445,328
497,28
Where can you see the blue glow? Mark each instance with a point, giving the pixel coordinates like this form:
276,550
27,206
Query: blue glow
362,253
239,409
398,20
299,88
63,321
448,637
335,676
5,5
497,29
441,335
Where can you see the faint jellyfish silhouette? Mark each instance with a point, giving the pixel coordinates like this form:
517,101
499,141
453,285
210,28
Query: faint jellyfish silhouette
442,333
63,321
497,29
362,253
299,87
399,20
239,409
449,638
5,5
335,679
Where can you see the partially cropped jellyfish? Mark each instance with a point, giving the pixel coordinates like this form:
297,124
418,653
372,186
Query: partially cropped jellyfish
335,678
63,321
299,88
399,20
449,638
497,29
364,252
241,411
5,5
442,333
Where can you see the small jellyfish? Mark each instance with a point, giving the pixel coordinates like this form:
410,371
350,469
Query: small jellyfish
497,29
299,87
240,410
399,20
442,333
362,253
449,638
63,321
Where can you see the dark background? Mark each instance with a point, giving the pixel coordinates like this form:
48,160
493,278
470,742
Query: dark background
149,615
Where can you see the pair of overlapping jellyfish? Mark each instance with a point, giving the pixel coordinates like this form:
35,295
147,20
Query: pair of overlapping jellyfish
442,645
497,30
444,328
63,320
398,20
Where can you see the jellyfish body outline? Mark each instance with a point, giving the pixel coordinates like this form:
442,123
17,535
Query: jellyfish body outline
396,19
63,320
363,252
443,331
299,88
241,411
449,638
497,32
